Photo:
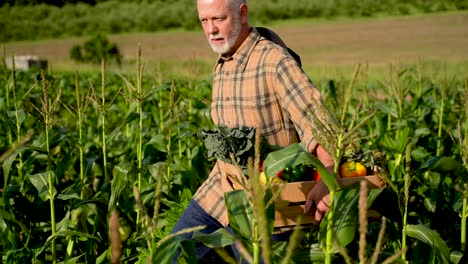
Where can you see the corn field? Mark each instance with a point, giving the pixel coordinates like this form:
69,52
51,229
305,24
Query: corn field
97,167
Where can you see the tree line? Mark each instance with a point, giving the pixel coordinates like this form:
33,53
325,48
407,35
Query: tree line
61,3
40,19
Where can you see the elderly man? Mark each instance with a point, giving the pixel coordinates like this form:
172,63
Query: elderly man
256,83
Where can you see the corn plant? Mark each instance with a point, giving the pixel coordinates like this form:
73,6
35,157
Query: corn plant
47,111
461,135
103,111
138,95
161,144
336,137
406,199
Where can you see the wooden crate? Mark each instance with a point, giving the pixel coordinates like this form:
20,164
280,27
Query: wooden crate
291,200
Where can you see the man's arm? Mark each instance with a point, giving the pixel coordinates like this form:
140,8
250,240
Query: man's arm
300,98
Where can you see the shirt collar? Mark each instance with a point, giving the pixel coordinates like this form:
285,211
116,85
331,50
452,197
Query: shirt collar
242,54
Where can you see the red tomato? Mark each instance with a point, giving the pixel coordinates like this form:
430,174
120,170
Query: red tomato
260,167
279,174
316,175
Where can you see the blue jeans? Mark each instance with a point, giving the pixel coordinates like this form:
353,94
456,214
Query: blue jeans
194,215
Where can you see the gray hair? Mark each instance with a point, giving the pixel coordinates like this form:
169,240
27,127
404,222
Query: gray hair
233,4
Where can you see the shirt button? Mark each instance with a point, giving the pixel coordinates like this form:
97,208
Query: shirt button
227,99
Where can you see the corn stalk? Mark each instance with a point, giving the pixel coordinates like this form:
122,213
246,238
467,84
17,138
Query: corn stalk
103,118
462,136
441,112
80,107
406,198
335,137
47,112
17,120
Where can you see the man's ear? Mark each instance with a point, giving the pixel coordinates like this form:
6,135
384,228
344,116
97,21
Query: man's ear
244,13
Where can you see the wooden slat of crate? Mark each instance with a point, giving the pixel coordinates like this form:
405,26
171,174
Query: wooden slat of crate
287,216
290,202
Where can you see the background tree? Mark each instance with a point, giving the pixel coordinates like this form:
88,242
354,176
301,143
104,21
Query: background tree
95,49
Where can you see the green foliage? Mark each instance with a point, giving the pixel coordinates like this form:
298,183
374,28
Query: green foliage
41,21
176,157
47,2
82,207
96,49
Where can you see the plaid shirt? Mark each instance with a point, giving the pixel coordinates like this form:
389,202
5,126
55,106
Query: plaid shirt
260,86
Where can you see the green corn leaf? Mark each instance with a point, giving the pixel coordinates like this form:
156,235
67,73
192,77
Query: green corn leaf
156,169
240,213
41,182
132,116
372,195
58,134
184,134
430,205
444,165
8,239
432,238
422,131
401,141
346,214
64,224
188,253
458,204
458,257
310,254
397,145
88,166
387,109
7,164
72,194
296,154
166,250
345,220
90,254
72,260
217,239
64,233
21,116
419,153
103,258
279,249
116,133
119,183
159,142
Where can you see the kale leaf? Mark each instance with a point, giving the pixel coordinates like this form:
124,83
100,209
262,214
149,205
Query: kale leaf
222,141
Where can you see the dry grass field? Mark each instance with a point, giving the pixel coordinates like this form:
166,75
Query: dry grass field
322,45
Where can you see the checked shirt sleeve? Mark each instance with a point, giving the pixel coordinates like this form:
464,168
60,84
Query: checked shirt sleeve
299,98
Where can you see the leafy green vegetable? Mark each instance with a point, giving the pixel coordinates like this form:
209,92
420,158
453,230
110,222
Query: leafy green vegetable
222,141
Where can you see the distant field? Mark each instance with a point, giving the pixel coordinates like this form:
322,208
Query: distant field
322,45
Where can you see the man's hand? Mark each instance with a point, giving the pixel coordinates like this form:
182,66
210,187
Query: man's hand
318,198
317,201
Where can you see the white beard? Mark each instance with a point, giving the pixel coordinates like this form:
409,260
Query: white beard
231,41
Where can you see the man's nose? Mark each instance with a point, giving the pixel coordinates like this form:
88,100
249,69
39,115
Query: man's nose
212,28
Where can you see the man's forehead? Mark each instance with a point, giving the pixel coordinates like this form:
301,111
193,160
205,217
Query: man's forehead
212,2
210,7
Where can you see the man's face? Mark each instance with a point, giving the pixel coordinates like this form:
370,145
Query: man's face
222,26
